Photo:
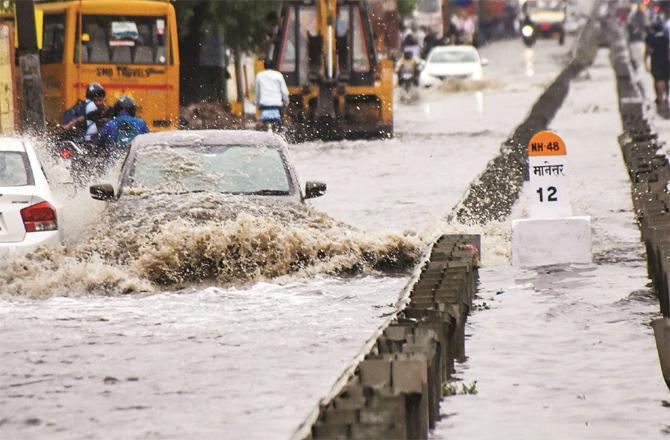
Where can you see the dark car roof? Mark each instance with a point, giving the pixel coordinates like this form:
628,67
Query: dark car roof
209,137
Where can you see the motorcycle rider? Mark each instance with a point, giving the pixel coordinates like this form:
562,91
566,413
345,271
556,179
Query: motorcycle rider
411,63
528,30
83,120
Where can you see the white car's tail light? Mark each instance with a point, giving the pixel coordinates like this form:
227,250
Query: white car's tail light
40,217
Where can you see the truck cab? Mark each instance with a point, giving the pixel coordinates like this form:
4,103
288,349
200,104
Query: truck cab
548,17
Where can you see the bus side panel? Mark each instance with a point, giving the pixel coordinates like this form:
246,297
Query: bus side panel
173,107
54,71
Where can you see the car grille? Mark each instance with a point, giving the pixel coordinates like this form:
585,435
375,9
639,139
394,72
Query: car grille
443,77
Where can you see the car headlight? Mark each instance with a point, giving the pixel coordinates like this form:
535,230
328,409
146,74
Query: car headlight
527,31
426,78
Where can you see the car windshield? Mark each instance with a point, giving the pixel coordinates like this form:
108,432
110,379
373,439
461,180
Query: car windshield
14,169
236,169
545,5
453,57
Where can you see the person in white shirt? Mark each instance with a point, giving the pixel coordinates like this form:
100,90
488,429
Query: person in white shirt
271,94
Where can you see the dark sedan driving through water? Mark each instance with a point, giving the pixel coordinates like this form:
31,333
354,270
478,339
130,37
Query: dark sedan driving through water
236,162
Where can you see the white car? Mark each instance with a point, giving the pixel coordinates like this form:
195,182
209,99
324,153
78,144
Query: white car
29,213
445,62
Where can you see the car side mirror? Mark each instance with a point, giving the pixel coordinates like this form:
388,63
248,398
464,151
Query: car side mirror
485,61
314,189
102,191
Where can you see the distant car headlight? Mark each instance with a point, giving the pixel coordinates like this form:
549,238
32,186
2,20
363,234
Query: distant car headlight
527,31
427,80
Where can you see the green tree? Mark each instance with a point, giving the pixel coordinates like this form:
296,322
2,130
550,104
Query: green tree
6,6
242,23
406,7
245,27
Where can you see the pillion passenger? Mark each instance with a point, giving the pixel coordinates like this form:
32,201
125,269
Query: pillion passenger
118,133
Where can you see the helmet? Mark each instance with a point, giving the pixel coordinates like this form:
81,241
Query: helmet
125,103
95,90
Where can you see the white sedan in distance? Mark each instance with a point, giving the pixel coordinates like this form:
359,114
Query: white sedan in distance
29,213
451,62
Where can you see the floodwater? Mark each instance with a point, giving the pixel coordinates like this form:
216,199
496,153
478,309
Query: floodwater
251,360
567,351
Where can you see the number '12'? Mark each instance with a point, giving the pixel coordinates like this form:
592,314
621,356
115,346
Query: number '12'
551,194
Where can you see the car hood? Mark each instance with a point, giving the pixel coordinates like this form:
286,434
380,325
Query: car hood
197,207
547,16
452,69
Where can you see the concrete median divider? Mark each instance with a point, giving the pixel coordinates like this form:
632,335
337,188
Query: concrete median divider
649,173
492,194
394,389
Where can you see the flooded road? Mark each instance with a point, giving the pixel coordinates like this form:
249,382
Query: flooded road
247,362
568,351
442,143
252,361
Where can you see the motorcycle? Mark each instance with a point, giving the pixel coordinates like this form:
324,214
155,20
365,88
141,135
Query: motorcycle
407,83
528,34
406,80
79,159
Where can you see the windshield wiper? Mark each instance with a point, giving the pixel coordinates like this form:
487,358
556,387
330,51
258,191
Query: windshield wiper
270,192
191,191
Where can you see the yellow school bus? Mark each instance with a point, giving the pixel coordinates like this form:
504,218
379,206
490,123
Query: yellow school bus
128,46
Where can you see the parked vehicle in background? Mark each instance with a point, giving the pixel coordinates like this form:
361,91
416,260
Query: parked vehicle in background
245,163
548,17
451,62
128,46
29,213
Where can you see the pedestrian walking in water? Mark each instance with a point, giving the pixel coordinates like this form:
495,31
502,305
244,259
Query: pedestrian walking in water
271,95
657,47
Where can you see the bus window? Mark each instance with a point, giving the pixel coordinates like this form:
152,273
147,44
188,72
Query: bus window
287,54
111,39
53,39
361,61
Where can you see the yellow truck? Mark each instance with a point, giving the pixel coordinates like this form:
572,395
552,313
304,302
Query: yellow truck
338,85
548,17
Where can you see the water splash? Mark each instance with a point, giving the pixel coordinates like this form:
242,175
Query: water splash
153,241
467,85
